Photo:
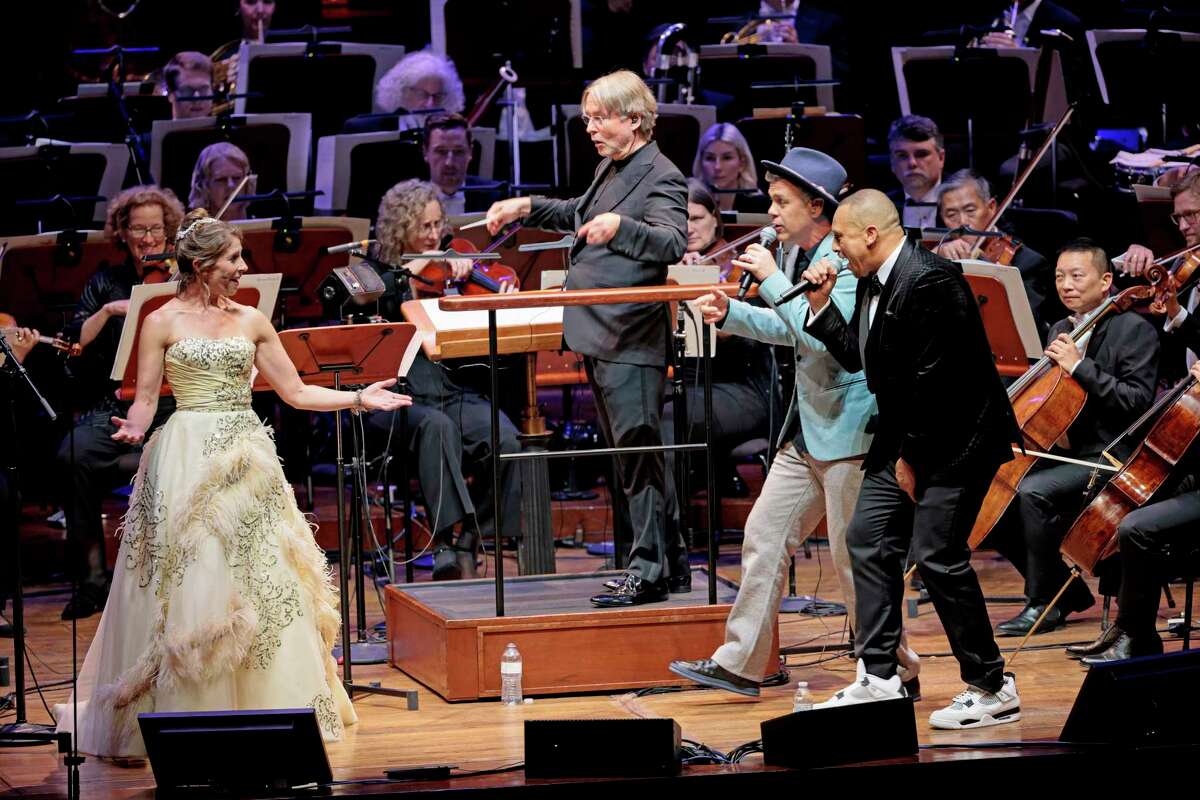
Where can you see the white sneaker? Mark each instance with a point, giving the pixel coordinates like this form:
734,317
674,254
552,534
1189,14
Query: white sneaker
975,708
866,689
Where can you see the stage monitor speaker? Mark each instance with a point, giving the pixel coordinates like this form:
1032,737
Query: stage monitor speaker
357,283
556,748
830,736
1139,701
235,751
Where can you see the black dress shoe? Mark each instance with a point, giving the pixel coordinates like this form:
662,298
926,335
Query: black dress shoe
445,564
913,687
1126,647
709,673
88,600
1023,622
1105,641
676,584
633,592
6,631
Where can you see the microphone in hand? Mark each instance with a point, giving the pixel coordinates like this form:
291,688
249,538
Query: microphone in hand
766,238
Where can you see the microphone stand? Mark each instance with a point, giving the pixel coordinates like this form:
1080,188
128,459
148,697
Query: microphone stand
20,733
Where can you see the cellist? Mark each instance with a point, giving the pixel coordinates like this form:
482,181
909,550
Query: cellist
1117,366
1147,535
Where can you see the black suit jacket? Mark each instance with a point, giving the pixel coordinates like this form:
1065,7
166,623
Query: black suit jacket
650,195
1118,371
941,404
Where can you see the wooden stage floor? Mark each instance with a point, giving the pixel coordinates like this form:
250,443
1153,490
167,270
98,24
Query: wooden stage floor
485,735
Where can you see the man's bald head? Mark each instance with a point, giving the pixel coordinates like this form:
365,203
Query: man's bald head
871,207
866,229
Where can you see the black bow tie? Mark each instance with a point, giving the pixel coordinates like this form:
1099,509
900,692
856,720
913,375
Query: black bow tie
874,287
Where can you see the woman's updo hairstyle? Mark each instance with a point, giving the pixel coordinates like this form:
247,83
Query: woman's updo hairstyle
199,243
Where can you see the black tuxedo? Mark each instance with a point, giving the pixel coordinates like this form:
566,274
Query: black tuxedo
943,410
626,345
1118,371
941,404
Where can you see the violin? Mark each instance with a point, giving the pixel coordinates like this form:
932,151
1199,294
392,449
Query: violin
1093,536
9,328
1046,400
485,276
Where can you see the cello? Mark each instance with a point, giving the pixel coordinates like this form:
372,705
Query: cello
1046,400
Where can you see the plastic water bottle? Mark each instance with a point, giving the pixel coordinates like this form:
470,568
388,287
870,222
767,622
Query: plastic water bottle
803,701
510,676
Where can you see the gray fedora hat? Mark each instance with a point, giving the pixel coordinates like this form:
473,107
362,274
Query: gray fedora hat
812,171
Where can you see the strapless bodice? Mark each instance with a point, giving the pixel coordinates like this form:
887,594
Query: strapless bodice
210,374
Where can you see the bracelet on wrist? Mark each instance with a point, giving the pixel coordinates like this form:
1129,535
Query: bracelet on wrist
357,406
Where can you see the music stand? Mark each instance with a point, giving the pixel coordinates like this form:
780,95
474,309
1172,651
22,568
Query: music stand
467,32
365,354
1007,316
729,69
356,169
842,136
295,247
70,170
1141,74
1154,209
333,81
677,130
94,117
277,146
944,82
43,275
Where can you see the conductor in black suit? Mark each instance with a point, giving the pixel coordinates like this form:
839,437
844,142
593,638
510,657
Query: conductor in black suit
945,425
628,226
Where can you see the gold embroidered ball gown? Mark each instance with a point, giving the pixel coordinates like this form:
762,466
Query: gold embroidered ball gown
220,598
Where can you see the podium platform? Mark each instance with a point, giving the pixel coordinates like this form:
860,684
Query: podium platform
446,636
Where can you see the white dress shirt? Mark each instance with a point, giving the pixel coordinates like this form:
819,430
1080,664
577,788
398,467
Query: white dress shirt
921,216
883,273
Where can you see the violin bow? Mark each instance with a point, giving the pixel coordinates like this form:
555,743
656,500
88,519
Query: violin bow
236,192
1019,183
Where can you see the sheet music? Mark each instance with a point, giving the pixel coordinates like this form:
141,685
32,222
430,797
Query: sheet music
268,293
410,355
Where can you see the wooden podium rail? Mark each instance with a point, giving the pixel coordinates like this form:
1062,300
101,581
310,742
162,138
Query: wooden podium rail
492,303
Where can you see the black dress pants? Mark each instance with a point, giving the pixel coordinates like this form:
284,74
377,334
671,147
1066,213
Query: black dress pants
100,465
629,401
884,525
445,443
1152,539
1031,531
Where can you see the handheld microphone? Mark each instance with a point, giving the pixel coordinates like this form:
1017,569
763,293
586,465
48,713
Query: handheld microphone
766,238
348,246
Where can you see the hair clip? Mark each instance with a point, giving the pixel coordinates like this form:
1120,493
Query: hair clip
179,236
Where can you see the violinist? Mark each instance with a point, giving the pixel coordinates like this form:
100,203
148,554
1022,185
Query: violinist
741,369
1185,199
1149,536
142,220
1117,366
965,199
20,341
918,155
706,229
447,153
817,471
219,171
449,423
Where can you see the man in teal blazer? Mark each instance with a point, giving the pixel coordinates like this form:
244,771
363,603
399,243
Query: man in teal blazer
818,469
